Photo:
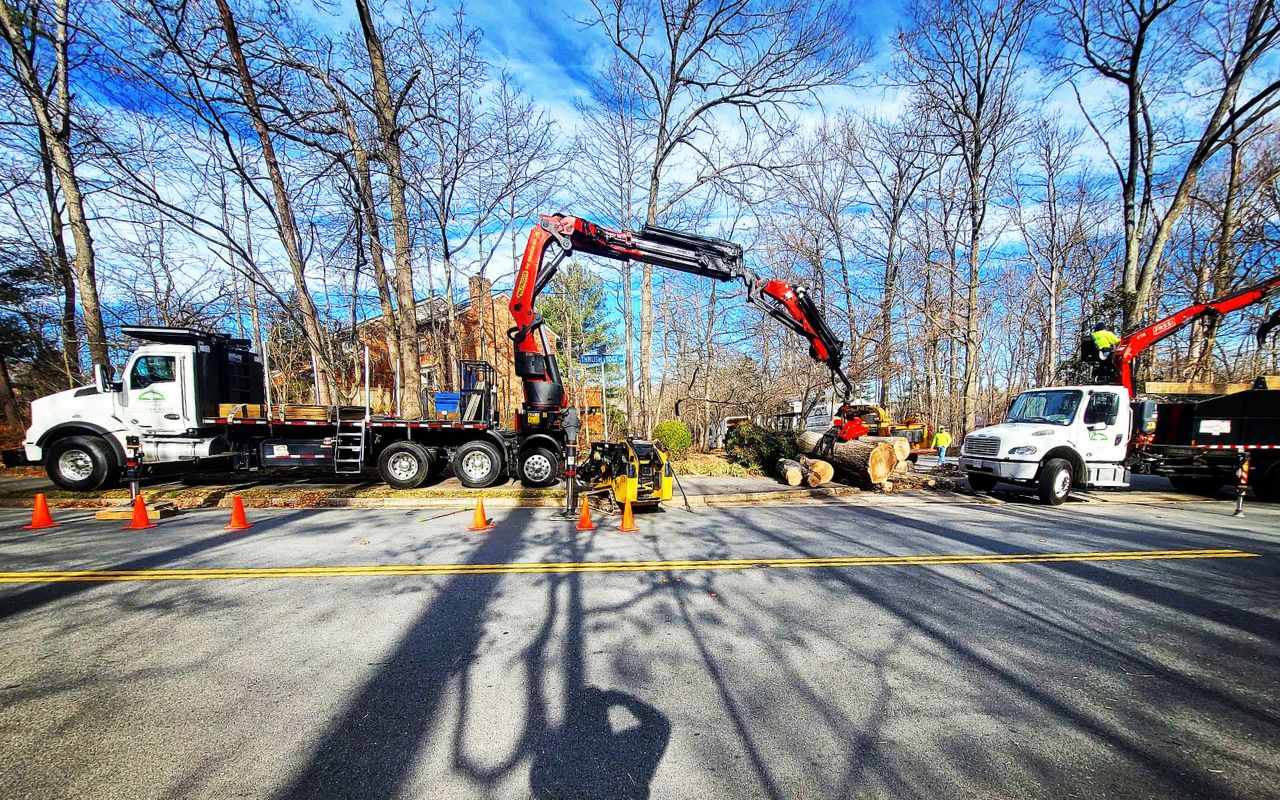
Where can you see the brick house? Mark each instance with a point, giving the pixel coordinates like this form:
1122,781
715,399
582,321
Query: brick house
477,332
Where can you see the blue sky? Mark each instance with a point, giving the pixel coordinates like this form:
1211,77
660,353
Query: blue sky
554,56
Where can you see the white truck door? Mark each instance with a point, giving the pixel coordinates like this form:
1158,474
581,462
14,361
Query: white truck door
156,389
1106,422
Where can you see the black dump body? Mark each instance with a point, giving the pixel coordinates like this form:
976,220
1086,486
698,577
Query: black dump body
227,370
1243,419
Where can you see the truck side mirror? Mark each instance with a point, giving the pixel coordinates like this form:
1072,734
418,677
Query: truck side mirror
100,379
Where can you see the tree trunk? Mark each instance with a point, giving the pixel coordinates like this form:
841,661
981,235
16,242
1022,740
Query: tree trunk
818,471
8,403
53,120
901,446
886,316
289,235
368,209
790,471
628,331
64,274
865,464
389,137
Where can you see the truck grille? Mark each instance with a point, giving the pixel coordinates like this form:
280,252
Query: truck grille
985,446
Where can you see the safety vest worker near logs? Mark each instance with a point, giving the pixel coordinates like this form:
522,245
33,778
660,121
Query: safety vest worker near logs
941,441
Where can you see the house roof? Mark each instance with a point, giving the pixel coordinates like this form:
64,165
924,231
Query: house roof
434,307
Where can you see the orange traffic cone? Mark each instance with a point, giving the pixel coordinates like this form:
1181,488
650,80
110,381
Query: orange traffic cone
140,519
480,522
584,519
628,523
40,516
238,521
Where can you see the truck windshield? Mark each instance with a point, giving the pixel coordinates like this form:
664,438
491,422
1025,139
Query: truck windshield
1055,406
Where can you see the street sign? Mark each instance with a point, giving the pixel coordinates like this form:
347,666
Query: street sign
600,358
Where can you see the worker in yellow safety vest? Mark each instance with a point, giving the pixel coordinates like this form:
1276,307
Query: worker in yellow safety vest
1104,340
942,440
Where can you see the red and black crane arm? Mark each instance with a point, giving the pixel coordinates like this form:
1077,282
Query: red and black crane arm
1138,342
558,235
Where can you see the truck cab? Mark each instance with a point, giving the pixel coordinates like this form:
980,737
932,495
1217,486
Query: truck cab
1055,439
80,434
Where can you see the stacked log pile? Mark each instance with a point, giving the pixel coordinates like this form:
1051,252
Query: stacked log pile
866,462
811,471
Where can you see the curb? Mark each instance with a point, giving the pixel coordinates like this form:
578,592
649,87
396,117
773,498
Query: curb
550,501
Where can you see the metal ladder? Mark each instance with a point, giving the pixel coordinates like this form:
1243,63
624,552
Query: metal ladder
348,438
348,446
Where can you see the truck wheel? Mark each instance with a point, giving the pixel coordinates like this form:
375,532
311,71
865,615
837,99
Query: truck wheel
81,463
1205,485
477,464
980,482
1055,481
539,467
404,465
1267,485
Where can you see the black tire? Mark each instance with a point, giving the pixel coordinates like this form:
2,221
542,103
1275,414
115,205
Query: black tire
539,468
1266,487
1204,485
982,483
477,464
404,465
1055,481
81,463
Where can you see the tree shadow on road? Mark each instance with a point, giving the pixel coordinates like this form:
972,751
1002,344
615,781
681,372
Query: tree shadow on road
606,745
587,759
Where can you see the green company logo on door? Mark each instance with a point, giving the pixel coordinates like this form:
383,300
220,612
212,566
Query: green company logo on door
152,400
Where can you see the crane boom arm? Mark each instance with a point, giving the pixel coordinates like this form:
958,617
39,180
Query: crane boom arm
557,235
1138,342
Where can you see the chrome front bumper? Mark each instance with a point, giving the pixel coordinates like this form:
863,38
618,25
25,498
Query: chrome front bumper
1001,468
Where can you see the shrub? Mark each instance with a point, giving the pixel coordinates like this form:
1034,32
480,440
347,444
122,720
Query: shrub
753,446
674,436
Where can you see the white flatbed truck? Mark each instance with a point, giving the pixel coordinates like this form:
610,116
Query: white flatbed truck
183,396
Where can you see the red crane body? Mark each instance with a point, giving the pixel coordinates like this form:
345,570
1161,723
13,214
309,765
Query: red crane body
1136,343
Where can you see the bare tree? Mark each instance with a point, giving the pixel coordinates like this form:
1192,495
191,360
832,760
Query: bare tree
1056,210
892,161
964,57
1209,56
46,84
693,60
285,219
386,107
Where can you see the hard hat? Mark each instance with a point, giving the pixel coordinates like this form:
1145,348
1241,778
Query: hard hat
942,428
1099,327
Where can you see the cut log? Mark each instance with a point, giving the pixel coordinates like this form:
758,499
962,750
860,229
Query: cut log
790,471
866,463
819,471
901,446
902,468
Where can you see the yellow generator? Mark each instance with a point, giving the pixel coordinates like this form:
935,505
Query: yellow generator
632,470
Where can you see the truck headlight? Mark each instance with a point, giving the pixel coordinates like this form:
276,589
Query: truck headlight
1025,450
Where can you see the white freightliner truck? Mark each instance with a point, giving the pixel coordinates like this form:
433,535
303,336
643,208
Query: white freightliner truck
1059,438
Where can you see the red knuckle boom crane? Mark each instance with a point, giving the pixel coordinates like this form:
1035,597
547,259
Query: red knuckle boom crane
1120,366
558,235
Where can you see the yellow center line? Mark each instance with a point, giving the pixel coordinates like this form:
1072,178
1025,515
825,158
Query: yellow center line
520,568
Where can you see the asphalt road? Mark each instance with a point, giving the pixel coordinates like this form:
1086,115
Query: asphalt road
1094,676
